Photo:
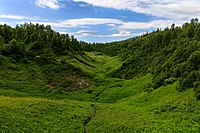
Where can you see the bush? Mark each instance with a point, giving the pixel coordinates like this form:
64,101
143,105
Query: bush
194,59
158,80
187,80
148,88
184,83
169,81
14,49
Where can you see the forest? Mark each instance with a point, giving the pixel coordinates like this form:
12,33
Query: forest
29,40
51,82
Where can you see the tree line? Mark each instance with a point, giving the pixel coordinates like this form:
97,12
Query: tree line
30,40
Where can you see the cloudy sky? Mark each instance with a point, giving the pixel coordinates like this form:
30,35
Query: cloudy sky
100,20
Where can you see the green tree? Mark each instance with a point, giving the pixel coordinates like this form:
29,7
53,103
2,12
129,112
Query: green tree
2,42
194,60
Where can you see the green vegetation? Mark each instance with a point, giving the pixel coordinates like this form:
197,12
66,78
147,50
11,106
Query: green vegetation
42,115
50,84
169,55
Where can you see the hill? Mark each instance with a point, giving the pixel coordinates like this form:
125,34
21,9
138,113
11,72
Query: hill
59,87
170,55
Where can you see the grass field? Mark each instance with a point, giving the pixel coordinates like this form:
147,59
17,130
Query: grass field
107,105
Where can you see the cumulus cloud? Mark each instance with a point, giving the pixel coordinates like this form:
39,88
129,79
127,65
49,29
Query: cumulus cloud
52,4
173,9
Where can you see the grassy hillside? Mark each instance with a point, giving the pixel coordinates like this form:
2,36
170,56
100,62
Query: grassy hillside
170,55
107,105
49,84
33,79
42,115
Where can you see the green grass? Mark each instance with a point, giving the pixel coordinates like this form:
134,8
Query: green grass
21,78
42,115
108,104
159,111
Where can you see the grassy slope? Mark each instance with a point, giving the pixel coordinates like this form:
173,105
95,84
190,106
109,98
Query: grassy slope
164,110
38,115
111,105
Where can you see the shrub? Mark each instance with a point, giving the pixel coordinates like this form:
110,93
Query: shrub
187,79
194,59
148,88
13,49
158,80
169,81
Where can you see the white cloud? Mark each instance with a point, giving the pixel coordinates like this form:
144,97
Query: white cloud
53,4
124,29
111,25
83,5
85,33
82,22
122,34
18,17
90,33
125,34
145,25
95,34
91,21
171,9
118,24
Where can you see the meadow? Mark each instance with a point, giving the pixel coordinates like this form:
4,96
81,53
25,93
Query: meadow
34,99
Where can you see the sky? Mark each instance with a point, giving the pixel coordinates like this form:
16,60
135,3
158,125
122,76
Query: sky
100,20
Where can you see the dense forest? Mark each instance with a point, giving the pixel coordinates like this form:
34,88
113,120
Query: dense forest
29,40
172,54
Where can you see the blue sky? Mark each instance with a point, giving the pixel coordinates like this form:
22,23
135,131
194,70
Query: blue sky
100,20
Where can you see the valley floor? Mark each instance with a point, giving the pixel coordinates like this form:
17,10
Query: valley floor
107,105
